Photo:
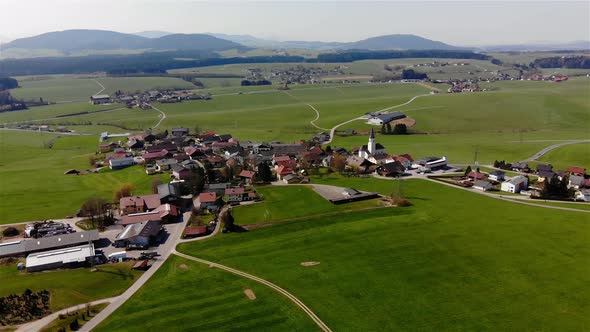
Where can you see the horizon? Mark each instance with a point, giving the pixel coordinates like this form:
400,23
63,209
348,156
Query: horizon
456,23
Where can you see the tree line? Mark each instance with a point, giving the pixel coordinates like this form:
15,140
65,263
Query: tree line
577,62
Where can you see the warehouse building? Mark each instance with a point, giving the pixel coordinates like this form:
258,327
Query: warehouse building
23,247
65,257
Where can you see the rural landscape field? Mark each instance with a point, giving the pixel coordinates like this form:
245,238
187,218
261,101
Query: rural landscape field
345,179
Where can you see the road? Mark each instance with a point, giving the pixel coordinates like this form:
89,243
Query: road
162,116
552,147
278,289
102,87
165,251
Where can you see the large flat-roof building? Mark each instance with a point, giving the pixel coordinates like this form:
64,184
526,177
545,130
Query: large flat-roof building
100,99
65,257
22,247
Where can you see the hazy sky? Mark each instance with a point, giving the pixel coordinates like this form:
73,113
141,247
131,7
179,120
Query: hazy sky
458,22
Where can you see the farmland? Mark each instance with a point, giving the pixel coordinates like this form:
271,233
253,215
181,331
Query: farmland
70,287
204,299
423,267
33,179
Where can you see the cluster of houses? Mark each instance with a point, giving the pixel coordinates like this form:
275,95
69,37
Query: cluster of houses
143,99
303,74
577,180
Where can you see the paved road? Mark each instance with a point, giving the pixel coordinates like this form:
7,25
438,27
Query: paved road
162,116
283,292
41,323
552,147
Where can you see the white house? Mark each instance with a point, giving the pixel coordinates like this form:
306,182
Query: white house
121,162
515,185
482,185
497,176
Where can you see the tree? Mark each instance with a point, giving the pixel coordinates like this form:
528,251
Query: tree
196,180
125,190
265,173
389,128
328,149
400,129
95,208
155,183
197,130
74,325
338,162
383,130
467,171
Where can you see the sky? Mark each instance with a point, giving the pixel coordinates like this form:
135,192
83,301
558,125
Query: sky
463,23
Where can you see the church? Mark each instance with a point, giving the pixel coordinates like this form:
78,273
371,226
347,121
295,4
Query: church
372,149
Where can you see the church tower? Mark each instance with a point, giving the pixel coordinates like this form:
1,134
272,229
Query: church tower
371,145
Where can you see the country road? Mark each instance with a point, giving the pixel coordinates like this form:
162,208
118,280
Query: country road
283,292
162,116
554,146
102,87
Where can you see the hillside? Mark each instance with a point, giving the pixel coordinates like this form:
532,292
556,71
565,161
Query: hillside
399,42
100,40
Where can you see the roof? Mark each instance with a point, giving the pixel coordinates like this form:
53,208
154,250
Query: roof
234,191
545,174
544,167
168,189
143,229
372,135
290,176
152,155
247,174
180,129
61,240
209,197
498,173
517,179
281,158
100,97
577,170
283,170
477,175
65,255
481,183
195,230
150,201
388,117
135,218
12,248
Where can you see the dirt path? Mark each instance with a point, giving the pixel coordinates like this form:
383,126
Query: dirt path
102,87
278,289
162,116
428,86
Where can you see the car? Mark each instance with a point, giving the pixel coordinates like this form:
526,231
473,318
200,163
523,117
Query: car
136,247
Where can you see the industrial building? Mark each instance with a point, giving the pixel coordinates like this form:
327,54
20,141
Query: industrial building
65,257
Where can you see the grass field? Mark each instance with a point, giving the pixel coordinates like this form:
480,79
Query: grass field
188,296
569,155
59,324
437,265
70,287
34,186
289,202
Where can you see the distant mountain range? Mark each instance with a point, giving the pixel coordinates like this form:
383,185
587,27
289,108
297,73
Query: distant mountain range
97,41
100,40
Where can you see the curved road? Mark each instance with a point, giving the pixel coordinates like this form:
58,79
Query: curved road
162,117
554,146
283,292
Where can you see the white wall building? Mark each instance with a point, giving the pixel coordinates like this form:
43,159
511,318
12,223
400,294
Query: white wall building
515,185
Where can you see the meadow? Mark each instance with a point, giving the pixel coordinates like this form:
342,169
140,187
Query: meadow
187,296
289,202
569,155
437,265
70,287
34,186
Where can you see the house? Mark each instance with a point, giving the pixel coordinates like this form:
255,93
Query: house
163,165
207,200
475,175
138,204
168,146
282,171
135,144
497,176
248,176
576,181
545,175
284,161
391,169
168,213
431,163
100,99
544,168
359,162
64,257
405,159
520,166
179,132
234,194
292,179
153,156
576,170
515,185
385,118
108,147
141,233
169,192
179,172
218,188
194,231
121,163
482,185
582,195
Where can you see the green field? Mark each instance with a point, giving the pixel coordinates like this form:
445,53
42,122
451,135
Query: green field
437,265
194,297
70,287
569,155
291,202
34,186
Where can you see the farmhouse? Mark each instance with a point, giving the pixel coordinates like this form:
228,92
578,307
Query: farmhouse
121,163
206,200
138,234
575,170
179,132
391,169
515,185
53,259
194,231
234,194
385,118
482,185
139,204
100,99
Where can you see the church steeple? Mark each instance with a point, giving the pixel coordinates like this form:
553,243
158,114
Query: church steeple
371,145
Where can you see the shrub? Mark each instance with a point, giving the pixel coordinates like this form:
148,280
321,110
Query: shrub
10,231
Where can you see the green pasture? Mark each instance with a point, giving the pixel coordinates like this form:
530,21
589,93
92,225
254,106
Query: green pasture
568,155
71,286
437,265
188,296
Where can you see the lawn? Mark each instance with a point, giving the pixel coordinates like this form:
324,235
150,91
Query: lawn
33,186
187,296
288,202
70,287
64,323
438,265
569,155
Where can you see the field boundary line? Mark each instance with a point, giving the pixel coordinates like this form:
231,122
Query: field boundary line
280,290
